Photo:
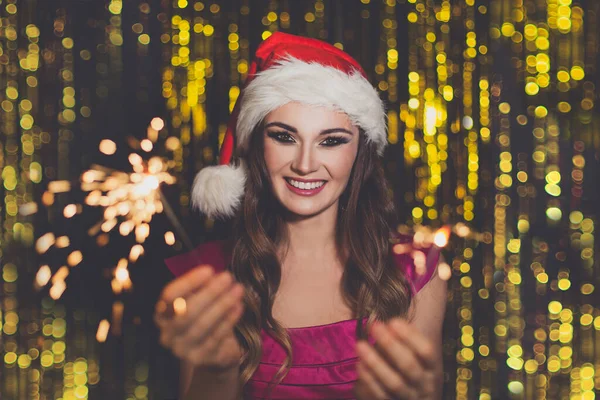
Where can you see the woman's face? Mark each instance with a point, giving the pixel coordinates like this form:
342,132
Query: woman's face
309,153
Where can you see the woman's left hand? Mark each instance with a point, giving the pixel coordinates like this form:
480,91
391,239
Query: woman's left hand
401,365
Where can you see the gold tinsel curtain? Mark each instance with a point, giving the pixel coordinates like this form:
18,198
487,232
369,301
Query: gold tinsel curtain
493,125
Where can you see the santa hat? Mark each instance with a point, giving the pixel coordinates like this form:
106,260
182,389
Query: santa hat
287,68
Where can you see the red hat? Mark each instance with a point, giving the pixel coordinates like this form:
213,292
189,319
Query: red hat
288,68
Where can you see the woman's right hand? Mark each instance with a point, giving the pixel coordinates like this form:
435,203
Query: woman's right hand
202,334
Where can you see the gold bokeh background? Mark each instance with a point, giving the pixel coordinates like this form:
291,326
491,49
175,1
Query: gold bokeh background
493,122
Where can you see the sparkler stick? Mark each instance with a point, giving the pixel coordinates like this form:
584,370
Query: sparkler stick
175,221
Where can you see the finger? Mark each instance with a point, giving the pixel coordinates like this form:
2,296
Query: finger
199,302
223,334
367,386
186,283
398,354
419,344
213,317
389,379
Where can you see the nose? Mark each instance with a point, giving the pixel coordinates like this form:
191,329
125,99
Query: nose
305,160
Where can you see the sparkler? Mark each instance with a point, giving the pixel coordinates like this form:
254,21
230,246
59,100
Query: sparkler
129,200
424,237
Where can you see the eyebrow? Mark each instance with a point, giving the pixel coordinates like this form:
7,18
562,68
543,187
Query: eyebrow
294,130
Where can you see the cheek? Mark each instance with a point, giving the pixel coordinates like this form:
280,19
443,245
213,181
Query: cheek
273,158
342,165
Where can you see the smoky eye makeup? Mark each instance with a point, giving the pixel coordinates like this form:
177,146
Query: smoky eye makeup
285,138
280,136
333,141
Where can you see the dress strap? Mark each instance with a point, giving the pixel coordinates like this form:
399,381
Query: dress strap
406,263
212,253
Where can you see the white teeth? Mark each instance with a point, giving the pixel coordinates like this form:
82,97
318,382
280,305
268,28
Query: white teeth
306,185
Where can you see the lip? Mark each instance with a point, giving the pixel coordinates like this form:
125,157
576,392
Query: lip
304,180
305,192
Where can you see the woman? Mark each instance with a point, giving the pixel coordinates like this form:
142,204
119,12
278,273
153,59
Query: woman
281,311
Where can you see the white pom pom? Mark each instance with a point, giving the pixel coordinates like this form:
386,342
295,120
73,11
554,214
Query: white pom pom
217,191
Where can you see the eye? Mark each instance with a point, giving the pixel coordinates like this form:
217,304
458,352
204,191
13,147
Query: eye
281,136
333,141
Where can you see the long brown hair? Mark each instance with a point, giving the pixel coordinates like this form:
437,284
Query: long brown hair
371,283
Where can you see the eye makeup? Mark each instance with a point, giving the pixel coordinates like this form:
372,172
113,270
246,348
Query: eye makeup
285,137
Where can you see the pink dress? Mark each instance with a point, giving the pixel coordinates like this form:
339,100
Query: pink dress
324,359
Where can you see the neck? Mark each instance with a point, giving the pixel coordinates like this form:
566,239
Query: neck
312,238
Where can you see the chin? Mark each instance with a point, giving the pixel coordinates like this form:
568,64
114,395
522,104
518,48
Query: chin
304,211
304,208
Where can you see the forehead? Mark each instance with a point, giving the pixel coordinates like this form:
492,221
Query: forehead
308,118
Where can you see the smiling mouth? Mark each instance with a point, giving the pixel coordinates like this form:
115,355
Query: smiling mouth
305,185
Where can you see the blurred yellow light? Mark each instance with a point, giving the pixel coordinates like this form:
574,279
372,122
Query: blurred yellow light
587,288
516,387
553,190
554,307
530,31
564,24
10,358
563,76
504,108
553,364
586,319
541,111
484,350
542,43
577,73
564,284
467,354
515,351
542,277
565,352
532,88
531,366
554,213
553,177
564,107
413,104
417,212
208,30
587,371
543,80
508,29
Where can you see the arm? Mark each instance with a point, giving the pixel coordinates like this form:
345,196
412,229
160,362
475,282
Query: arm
429,307
406,361
198,383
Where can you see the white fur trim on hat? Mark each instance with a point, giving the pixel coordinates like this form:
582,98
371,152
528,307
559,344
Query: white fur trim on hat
218,190
312,83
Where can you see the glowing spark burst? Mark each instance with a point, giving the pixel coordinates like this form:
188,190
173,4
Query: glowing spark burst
102,332
59,186
169,238
62,242
132,198
108,147
43,276
441,236
28,208
45,242
425,238
128,203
